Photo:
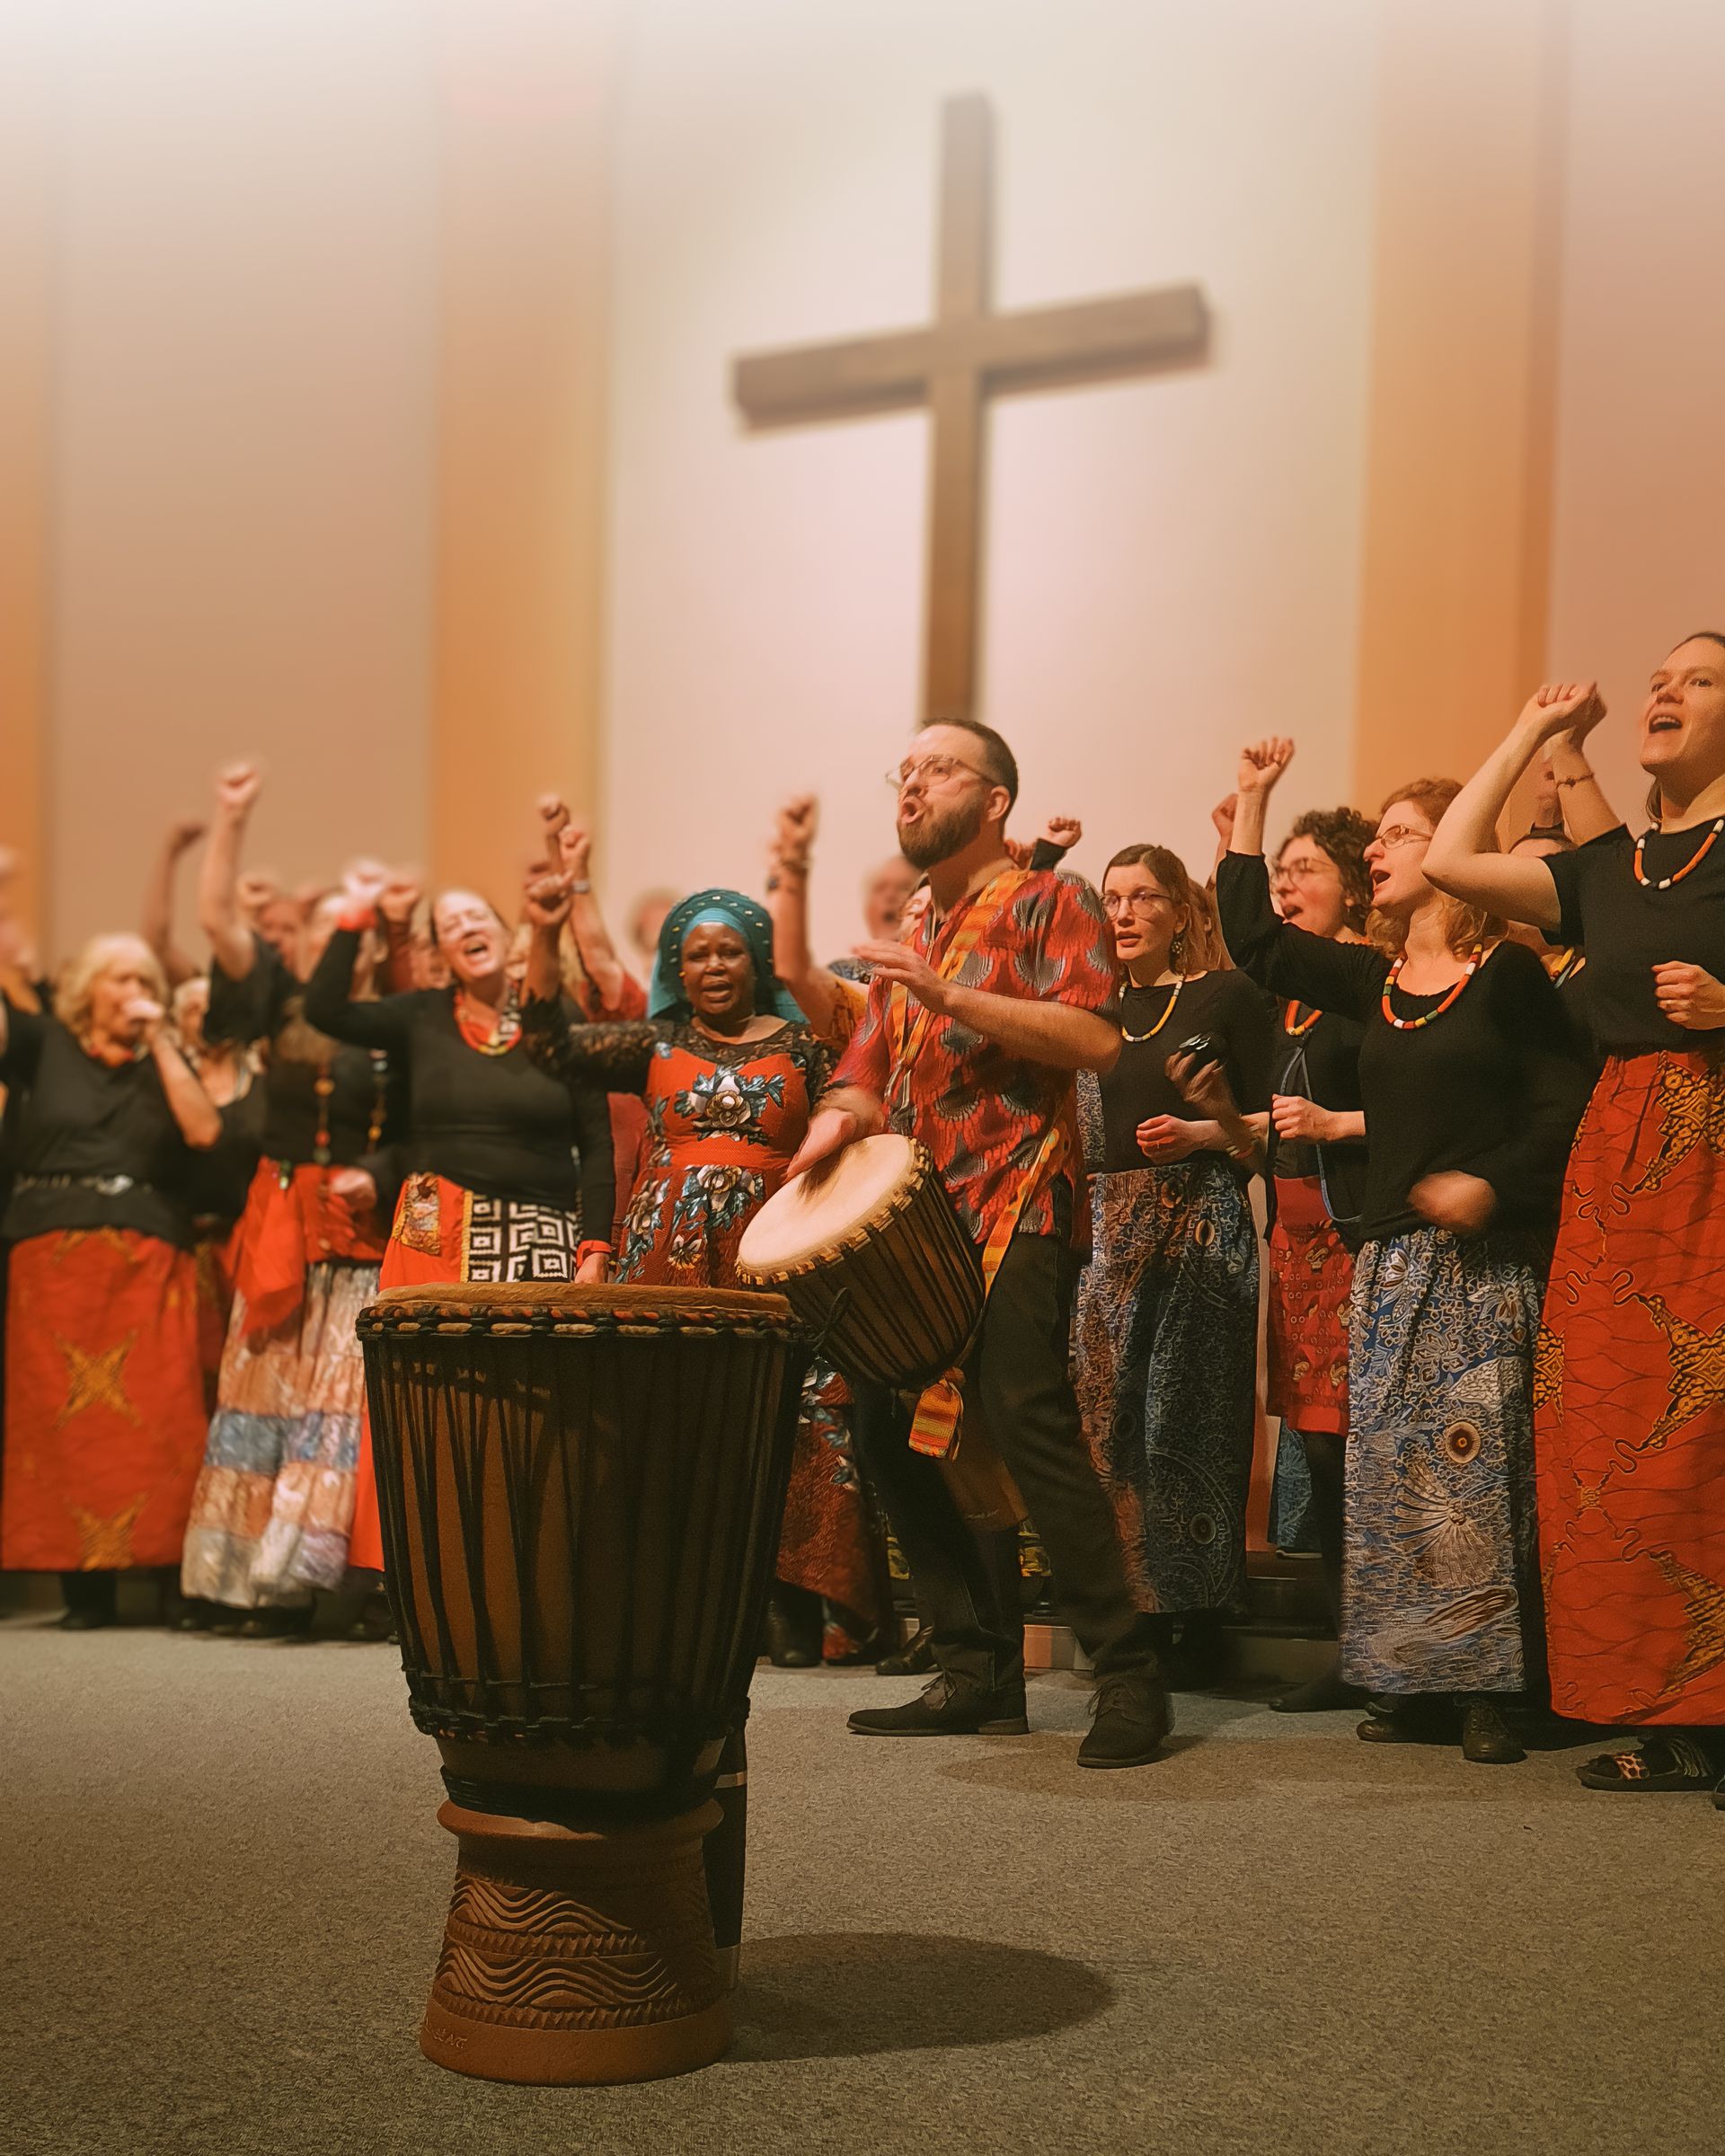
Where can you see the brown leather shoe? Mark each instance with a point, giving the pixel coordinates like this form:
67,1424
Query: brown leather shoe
1487,1739
1130,1719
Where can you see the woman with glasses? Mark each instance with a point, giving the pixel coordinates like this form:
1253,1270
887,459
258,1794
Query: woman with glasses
1167,1320
1472,1083
1631,1411
1318,882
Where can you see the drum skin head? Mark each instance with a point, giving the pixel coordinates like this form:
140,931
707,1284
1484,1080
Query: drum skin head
805,1217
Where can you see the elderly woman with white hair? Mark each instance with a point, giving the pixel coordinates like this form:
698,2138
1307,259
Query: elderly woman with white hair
104,1404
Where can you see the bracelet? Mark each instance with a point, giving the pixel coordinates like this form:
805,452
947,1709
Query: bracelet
1581,778
593,1248
357,918
581,889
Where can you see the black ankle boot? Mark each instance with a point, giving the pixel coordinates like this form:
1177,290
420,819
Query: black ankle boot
946,1709
92,1600
794,1626
915,1658
1130,1718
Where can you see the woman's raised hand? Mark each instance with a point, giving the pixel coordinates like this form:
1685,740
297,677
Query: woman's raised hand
1063,831
1563,707
546,901
362,885
574,856
237,787
1262,762
793,838
399,899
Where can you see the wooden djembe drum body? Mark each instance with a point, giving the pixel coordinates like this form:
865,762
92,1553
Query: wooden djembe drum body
580,1491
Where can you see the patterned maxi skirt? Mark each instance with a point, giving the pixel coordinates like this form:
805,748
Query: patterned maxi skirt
274,1503
1631,1401
1440,1587
1166,1342
105,1416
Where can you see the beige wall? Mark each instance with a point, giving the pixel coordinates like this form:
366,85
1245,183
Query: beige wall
243,449
1169,560
1639,516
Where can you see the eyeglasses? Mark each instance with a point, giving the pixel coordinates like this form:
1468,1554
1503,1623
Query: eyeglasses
1141,903
932,770
1302,872
1400,834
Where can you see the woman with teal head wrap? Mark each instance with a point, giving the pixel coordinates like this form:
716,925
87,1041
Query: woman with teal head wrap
730,1070
671,995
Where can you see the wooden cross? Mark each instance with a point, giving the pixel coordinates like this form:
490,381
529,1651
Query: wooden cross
966,354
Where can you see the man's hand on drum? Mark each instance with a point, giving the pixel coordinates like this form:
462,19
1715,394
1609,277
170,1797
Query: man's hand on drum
905,969
847,1117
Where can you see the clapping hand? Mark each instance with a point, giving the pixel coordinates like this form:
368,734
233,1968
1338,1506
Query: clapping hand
1563,707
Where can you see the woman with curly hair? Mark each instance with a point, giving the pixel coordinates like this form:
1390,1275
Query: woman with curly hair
105,1392
1472,1085
1318,882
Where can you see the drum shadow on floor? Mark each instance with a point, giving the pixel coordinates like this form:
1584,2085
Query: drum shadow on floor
845,1994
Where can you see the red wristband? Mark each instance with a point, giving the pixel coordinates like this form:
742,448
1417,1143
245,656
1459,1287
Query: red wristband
591,1249
357,918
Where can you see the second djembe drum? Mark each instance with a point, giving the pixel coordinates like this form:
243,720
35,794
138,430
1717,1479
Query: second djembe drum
580,1491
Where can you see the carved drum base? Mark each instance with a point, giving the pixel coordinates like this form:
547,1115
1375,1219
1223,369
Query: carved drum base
572,1957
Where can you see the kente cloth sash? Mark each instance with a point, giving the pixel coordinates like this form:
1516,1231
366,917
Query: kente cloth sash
939,1419
289,1226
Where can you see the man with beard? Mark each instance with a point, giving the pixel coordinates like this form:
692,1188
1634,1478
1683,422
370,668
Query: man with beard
975,1028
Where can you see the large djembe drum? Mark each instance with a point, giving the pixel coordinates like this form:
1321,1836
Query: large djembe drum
580,1491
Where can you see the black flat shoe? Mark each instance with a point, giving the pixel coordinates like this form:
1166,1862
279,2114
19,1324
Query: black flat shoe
947,1709
193,1617
1130,1719
271,1621
915,1658
86,1621
1411,1719
1487,1739
792,1641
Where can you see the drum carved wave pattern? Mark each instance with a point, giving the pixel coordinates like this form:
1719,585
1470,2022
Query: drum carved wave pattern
538,1958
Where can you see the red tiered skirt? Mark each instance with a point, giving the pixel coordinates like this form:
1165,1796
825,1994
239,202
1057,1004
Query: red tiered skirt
1629,1401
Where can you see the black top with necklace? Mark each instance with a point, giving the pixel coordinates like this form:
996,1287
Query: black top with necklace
1154,1022
1628,924
316,1101
1487,1081
492,1121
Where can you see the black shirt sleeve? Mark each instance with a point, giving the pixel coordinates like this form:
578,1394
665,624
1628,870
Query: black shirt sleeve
1570,872
599,1162
1347,978
332,1009
247,1007
25,1031
1555,1083
614,1055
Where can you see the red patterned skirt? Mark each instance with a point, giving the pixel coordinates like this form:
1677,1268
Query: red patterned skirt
1629,1401
105,1415
1311,1289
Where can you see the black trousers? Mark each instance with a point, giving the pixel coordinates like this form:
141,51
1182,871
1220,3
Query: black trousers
1018,1379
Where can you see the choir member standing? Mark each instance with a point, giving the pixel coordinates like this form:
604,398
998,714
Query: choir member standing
1319,883
1631,1408
508,1174
272,1512
971,1036
104,1406
1472,1085
728,1069
1166,1338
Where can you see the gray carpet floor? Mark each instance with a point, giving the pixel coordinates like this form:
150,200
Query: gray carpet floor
223,1888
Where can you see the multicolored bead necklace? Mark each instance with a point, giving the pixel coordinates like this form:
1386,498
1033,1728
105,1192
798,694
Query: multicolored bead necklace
1299,1031
1689,866
1412,1025
1179,981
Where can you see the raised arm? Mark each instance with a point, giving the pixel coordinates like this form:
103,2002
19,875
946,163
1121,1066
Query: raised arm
1582,802
233,943
157,923
330,1005
1463,858
571,855
198,1115
397,904
816,987
1347,978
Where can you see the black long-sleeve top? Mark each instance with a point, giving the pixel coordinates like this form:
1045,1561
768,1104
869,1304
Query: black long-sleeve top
365,1106
1320,1061
96,1145
1225,1006
1494,1088
497,1125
